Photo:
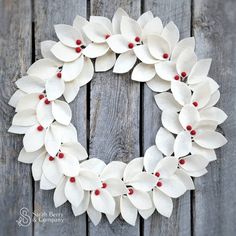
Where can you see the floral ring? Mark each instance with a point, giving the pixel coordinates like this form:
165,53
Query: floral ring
186,95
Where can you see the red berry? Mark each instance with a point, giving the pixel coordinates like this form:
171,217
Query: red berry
72,179
59,75
195,104
137,39
176,77
157,174
47,101
107,36
181,161
183,74
41,96
61,155
165,55
78,41
78,49
51,158
40,128
97,192
104,185
188,127
131,191
193,132
159,184
130,45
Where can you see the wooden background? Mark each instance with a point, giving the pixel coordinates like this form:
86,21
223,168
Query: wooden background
117,118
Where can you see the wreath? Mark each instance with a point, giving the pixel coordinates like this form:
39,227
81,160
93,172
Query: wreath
183,148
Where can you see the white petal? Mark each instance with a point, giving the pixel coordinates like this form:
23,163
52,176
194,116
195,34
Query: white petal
144,55
171,34
73,192
158,46
30,84
213,113
181,92
170,120
54,88
33,139
114,169
185,179
141,200
67,34
204,125
64,53
102,21
96,50
59,197
61,112
163,203
157,84
96,32
94,215
71,90
194,163
130,28
197,173
166,101
183,144
44,113
143,72
115,187
111,218
93,164
188,116
128,211
25,118
165,141
43,69
214,99
29,157
151,157
16,97
166,70
45,184
83,206
145,18
125,62
37,170
89,180
45,47
210,139
72,69
29,101
132,168
79,22
105,62
118,43
18,129
103,202
117,19
152,27
74,149
147,213
209,154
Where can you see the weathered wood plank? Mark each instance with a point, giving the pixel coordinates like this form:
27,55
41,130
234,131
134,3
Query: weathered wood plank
48,13
114,116
214,202
180,222
15,178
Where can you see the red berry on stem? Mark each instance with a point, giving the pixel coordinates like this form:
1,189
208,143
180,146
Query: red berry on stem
59,75
51,158
61,155
97,192
131,191
157,174
165,55
130,45
41,96
40,128
193,132
47,101
104,185
78,49
137,39
183,74
188,127
195,104
78,41
107,36
159,184
176,77
181,161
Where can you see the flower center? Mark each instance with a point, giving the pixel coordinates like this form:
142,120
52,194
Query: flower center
47,101
176,77
157,174
130,45
72,179
40,128
41,96
59,75
51,158
107,36
131,191
137,39
181,161
165,55
195,104
183,74
104,185
193,132
97,192
189,127
78,41
78,49
61,155
159,184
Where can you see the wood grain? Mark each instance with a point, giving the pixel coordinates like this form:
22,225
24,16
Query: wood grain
214,200
15,53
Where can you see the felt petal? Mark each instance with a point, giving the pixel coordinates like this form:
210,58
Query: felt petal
105,62
94,215
186,61
143,181
79,22
74,149
52,141
171,34
213,113
163,203
181,92
157,84
54,88
145,18
30,84
114,169
125,62
111,218
151,157
103,202
37,167
181,46
166,70
147,213
130,28
45,184
144,55
132,168
33,139
25,118
117,19
102,21
141,200
166,101
59,197
115,187
209,154
44,113
29,157
96,32
185,179
157,46
214,99
71,90
43,69
165,141
89,180
128,211
18,129
83,206
210,139
152,27
45,47
143,72
170,120
194,163
61,112
67,34
118,43
64,53
94,50
16,97
72,69
197,173
73,192
188,116
183,144
93,164
204,125
27,102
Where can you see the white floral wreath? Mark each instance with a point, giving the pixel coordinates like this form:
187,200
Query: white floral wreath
187,96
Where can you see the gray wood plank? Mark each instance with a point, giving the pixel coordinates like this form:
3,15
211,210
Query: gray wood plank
114,117
47,13
180,222
15,177
214,200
